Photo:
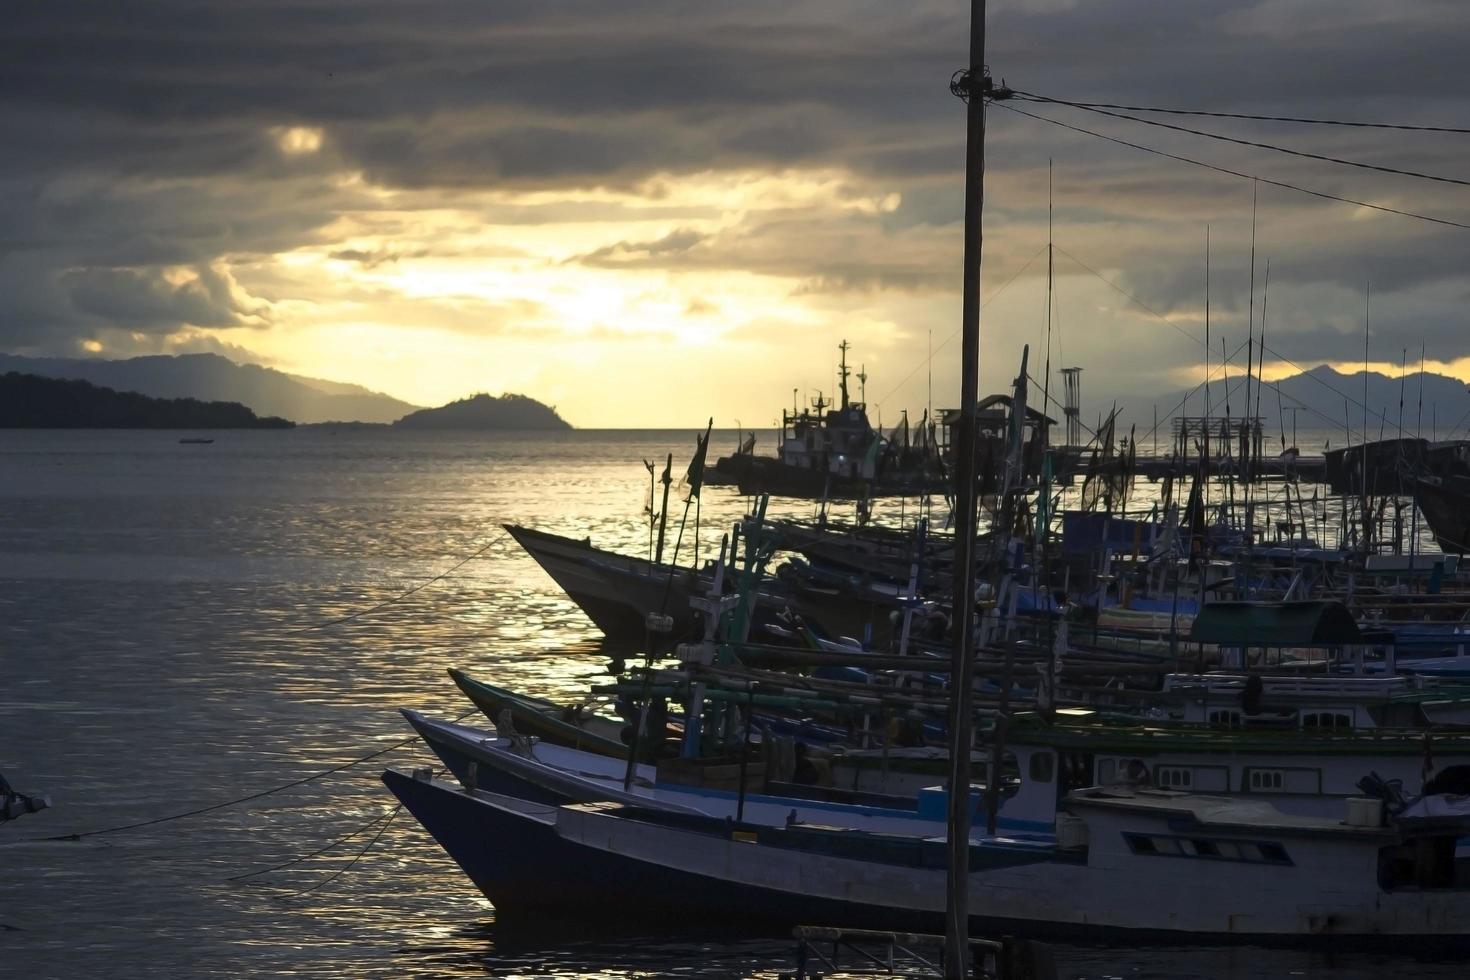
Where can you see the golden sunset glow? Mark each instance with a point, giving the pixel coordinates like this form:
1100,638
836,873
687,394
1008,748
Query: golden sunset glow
429,303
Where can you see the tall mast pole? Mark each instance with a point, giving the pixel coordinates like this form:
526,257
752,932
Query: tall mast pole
971,85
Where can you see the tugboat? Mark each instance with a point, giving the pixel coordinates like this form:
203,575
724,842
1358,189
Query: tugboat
833,452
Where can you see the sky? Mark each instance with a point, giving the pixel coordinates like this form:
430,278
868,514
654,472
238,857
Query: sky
652,213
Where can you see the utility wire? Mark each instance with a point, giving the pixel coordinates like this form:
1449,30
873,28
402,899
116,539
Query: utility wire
1236,173
990,299
1256,118
1244,142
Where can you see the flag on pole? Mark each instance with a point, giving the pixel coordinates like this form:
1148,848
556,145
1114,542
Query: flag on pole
648,498
694,476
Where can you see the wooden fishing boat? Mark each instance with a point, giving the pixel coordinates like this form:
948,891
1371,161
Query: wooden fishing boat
1192,866
572,725
557,774
617,592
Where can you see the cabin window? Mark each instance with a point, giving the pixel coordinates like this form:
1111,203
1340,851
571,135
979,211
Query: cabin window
1247,852
1225,718
1266,780
1107,771
1272,852
1174,777
1327,719
1043,767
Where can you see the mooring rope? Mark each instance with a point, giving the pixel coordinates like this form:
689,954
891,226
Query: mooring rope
236,801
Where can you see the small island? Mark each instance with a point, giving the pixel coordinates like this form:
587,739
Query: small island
486,413
29,401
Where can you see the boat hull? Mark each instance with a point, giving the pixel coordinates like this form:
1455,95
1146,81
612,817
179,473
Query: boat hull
539,718
532,859
616,592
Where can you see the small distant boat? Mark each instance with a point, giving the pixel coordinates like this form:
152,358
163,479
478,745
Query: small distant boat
195,442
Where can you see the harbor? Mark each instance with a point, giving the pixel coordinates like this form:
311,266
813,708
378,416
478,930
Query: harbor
194,692
1053,632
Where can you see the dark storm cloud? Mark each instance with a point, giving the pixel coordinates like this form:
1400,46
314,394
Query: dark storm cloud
143,139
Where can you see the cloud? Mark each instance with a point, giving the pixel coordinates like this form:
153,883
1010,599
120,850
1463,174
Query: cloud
181,168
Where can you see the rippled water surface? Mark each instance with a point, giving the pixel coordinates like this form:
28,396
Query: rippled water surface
152,604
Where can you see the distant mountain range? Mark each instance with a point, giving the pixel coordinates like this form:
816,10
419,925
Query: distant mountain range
211,377
256,390
1326,401
486,412
29,401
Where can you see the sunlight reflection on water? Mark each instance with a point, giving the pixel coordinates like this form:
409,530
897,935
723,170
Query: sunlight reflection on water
147,596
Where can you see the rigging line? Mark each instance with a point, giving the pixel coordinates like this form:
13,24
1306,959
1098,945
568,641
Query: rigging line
1462,421
1330,387
235,802
1165,320
1237,173
1130,297
1258,145
993,297
1051,400
398,598
1250,116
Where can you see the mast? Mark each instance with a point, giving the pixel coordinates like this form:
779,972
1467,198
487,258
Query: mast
1046,377
973,86
843,372
1363,451
1418,434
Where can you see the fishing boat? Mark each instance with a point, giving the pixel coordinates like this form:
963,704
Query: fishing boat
615,591
1192,867
1445,504
618,592
831,451
576,726
555,774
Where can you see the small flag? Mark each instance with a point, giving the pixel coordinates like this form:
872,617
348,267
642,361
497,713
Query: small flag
694,476
648,497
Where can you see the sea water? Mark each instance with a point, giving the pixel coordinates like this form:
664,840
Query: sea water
170,639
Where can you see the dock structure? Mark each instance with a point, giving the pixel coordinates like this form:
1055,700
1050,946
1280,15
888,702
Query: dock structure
1305,469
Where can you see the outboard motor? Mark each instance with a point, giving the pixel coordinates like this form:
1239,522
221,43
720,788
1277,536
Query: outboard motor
14,804
1390,791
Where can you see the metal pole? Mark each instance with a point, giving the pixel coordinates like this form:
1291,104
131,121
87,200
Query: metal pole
957,891
663,517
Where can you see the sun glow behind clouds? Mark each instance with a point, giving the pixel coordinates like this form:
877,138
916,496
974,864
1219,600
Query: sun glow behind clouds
431,297
297,140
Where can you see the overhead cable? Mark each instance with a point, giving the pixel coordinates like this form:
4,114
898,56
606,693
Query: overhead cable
1257,118
1252,143
1237,173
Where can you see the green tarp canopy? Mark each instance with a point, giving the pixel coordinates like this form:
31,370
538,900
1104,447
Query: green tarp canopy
1276,624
